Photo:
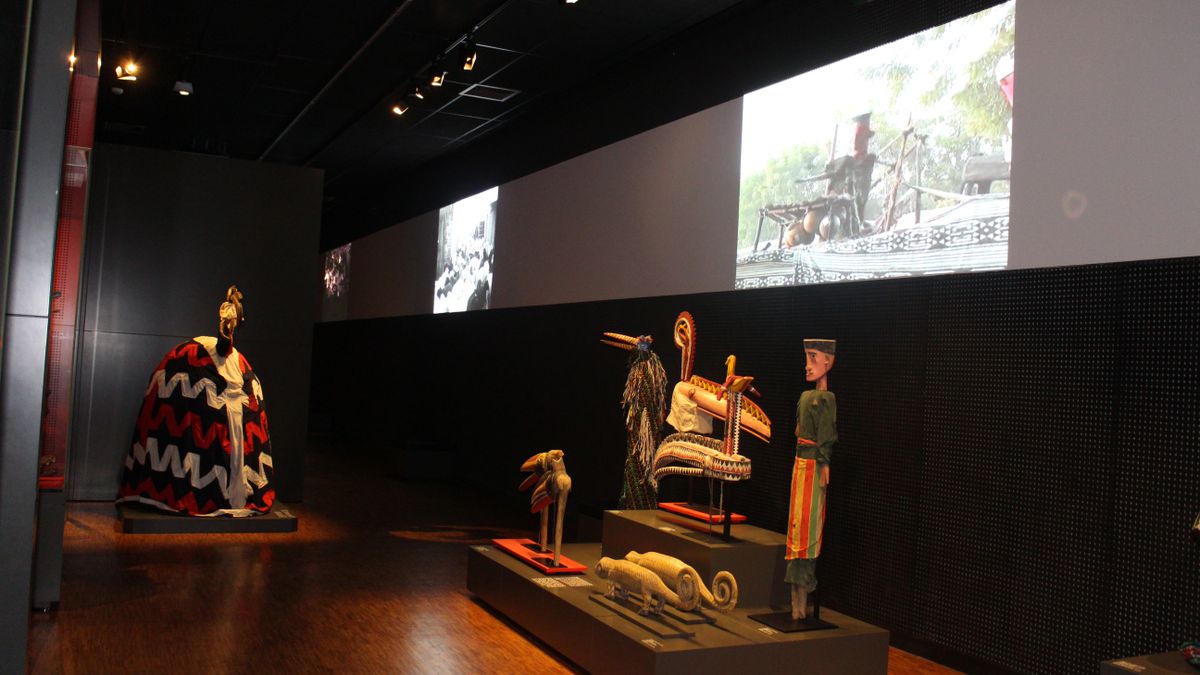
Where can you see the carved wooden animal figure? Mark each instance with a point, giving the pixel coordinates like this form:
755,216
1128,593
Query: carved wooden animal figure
675,573
625,577
553,486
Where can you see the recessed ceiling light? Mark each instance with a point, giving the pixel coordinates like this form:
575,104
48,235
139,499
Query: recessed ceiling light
399,109
184,88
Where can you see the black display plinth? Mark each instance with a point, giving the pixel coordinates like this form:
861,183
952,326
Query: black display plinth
570,615
1166,663
784,623
754,556
134,520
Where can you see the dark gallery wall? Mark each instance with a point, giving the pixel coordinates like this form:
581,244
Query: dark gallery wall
1014,480
168,232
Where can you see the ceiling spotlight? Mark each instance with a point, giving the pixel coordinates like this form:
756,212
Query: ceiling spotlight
127,72
399,109
184,88
569,2
71,62
469,54
438,78
417,93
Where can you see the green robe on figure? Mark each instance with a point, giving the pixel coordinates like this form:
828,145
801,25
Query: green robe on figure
816,419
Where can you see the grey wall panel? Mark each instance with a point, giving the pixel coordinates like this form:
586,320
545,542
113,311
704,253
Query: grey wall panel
167,233
113,372
179,228
655,214
41,153
1102,117
24,366
392,271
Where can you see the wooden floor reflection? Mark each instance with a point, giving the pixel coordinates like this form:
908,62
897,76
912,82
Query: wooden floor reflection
373,582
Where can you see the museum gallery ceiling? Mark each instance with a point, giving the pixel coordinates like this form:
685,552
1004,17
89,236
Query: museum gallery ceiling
315,83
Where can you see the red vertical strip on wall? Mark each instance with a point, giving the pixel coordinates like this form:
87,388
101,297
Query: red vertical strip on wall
68,257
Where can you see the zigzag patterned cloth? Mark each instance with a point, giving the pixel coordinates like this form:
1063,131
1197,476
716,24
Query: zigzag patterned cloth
201,445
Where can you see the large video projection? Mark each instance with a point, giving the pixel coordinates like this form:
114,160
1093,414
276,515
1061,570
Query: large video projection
893,162
466,241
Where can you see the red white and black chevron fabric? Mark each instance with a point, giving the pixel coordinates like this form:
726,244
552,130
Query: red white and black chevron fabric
201,444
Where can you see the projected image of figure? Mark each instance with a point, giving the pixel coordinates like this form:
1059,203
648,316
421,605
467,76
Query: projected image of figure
336,280
893,162
466,238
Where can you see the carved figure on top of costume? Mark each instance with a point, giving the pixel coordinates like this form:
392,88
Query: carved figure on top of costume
200,444
645,389
816,432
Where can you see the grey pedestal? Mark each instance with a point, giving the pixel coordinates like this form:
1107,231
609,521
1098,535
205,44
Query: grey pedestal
754,557
136,520
564,612
1166,663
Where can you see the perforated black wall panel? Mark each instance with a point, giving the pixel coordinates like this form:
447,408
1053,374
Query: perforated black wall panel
1017,462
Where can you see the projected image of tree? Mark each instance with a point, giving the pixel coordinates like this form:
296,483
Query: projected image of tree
894,162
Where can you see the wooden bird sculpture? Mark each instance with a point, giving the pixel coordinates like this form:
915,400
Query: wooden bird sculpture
735,383
551,485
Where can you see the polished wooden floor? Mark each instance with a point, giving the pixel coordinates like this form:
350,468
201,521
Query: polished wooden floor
373,582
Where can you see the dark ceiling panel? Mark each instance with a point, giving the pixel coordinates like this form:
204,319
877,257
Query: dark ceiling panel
446,20
331,31
522,25
448,126
248,29
311,82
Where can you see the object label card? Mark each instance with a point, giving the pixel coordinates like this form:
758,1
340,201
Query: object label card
547,582
767,630
574,581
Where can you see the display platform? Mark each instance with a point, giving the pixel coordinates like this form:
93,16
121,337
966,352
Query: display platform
1166,663
602,635
700,512
135,520
784,623
754,556
531,553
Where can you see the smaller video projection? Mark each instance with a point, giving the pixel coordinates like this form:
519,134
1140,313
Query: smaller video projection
894,162
337,271
466,240
335,301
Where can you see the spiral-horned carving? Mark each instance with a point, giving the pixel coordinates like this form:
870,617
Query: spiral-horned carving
685,339
681,577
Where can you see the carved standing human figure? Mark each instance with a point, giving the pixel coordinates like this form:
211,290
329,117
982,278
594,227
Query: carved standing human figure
816,432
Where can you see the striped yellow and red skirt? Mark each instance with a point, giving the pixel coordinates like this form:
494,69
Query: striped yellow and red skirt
806,511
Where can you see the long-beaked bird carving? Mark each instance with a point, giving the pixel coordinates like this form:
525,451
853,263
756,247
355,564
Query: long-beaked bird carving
551,485
645,389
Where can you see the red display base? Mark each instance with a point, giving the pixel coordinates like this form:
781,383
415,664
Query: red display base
531,552
700,512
